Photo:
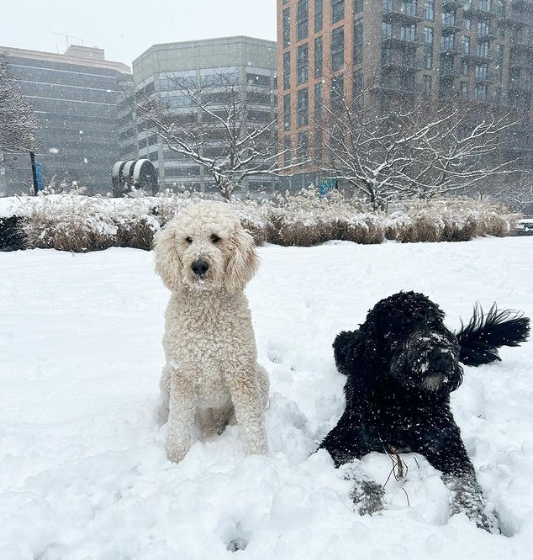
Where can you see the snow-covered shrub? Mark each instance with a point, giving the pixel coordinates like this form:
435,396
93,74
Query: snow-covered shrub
68,223
448,220
11,237
72,222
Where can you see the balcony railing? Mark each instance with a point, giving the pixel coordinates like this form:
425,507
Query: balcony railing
488,77
450,73
451,50
448,5
477,56
489,35
401,64
402,10
450,26
393,85
480,10
397,38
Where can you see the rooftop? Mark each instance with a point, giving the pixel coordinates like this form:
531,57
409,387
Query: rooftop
75,54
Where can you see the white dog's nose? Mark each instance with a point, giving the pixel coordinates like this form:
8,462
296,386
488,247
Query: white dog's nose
200,267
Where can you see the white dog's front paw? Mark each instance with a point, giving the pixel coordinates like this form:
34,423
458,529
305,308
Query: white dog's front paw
176,451
258,447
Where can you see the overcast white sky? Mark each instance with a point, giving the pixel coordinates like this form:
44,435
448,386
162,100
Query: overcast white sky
126,28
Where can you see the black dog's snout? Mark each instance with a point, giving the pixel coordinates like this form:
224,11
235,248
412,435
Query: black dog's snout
440,360
200,267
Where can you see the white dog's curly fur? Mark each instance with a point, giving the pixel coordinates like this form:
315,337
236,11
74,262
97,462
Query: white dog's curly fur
211,374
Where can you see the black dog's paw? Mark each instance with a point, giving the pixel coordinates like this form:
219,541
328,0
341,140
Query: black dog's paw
369,496
467,497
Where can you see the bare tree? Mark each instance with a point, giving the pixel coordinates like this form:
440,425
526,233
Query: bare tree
515,191
419,152
18,123
219,128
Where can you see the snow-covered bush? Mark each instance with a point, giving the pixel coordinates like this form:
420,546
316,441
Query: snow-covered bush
71,222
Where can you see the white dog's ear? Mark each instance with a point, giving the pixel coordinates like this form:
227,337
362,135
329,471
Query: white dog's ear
243,262
167,261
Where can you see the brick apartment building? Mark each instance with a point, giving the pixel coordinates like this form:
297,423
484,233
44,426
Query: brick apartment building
396,51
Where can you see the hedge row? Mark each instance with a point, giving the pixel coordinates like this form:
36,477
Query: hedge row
72,222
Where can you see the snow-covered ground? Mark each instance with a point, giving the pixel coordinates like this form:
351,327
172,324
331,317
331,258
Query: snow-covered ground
83,474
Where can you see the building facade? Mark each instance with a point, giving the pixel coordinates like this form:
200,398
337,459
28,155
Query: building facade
167,70
395,51
75,98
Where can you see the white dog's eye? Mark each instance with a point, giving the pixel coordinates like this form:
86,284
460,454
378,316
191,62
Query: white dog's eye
188,239
215,238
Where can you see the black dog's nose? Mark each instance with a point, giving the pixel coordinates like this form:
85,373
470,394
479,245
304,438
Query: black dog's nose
200,267
440,360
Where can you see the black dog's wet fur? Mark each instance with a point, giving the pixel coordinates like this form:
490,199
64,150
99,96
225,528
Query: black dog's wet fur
386,403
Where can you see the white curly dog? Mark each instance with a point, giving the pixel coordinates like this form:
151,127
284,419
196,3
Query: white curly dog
211,376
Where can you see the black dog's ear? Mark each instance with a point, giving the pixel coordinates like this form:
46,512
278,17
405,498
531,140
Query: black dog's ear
485,333
343,350
356,352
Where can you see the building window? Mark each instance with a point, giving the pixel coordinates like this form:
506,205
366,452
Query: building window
287,111
337,93
287,147
483,28
319,100
463,89
430,10
319,56
447,66
303,145
303,64
303,107
358,6
386,29
286,70
319,15
318,145
302,19
358,88
427,84
408,32
448,18
447,42
467,24
464,68
481,71
337,11
498,60
358,41
465,45
483,49
286,27
337,48
429,34
480,93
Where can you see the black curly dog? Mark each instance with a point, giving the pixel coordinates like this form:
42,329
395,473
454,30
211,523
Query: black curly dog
402,364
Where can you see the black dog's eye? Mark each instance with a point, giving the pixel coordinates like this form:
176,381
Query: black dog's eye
215,238
188,239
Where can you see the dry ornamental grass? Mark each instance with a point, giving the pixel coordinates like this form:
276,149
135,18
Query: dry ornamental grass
72,222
